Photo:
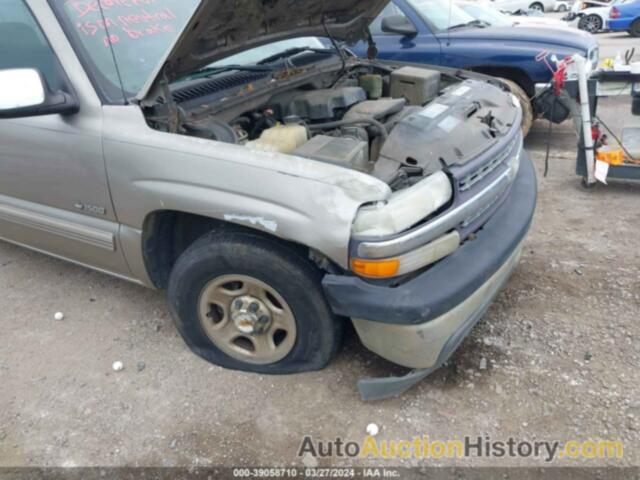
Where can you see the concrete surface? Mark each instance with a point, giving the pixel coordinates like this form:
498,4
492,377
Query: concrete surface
561,346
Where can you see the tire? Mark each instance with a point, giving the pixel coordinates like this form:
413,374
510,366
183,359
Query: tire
562,8
233,266
525,103
634,30
590,23
537,6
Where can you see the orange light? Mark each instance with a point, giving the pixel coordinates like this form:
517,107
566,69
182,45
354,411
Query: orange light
611,156
376,268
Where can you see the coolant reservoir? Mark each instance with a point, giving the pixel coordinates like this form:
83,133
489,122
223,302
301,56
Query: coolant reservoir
281,138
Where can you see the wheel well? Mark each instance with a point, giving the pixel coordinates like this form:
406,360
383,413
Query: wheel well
167,234
515,74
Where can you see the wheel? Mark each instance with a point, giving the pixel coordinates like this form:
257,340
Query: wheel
590,23
562,8
634,30
525,103
537,6
248,303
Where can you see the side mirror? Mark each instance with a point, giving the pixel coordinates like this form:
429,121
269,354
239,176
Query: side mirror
400,25
24,93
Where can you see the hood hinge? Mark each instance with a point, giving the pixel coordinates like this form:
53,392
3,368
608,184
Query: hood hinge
173,112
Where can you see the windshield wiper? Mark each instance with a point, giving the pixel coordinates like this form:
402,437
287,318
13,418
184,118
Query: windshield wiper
212,71
293,51
472,23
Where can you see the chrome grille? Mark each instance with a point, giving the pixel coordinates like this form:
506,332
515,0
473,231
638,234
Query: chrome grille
477,175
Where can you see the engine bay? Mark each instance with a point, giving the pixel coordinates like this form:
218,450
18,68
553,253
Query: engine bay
398,125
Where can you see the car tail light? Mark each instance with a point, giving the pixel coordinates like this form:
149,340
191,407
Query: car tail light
614,13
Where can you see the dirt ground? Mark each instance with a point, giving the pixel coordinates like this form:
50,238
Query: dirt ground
561,346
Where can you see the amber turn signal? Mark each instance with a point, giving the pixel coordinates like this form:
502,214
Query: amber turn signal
376,268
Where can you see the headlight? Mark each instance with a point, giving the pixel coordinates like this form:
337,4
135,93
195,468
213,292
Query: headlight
402,211
405,208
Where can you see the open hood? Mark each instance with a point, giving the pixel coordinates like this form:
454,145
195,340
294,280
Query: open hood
220,28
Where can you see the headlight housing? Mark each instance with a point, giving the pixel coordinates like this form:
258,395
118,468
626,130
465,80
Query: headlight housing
405,208
402,211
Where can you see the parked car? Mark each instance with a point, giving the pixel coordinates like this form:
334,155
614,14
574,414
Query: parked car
435,32
512,6
273,199
625,17
486,12
592,15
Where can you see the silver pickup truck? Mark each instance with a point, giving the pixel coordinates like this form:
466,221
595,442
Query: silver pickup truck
236,155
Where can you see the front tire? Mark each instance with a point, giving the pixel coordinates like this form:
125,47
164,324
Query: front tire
525,103
537,6
634,30
590,23
562,8
246,302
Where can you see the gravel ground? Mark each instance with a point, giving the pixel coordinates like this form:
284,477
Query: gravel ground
561,346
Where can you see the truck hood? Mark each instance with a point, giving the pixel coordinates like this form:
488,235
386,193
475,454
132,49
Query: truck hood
557,37
221,28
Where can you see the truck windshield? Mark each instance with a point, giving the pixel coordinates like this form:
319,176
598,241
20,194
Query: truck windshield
442,14
487,14
141,32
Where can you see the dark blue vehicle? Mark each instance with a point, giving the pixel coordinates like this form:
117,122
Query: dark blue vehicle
625,17
437,32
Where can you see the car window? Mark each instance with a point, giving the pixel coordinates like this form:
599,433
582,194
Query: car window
487,14
441,14
140,32
24,45
259,53
389,11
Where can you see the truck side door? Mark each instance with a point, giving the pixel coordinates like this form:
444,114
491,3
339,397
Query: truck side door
54,194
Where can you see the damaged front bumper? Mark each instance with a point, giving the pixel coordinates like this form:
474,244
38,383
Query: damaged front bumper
420,323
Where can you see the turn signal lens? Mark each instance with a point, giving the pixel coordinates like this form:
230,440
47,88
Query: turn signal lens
376,268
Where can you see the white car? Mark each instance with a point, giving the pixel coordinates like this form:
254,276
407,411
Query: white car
591,16
513,6
489,14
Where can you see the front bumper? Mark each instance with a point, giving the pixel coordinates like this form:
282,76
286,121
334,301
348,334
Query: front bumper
421,323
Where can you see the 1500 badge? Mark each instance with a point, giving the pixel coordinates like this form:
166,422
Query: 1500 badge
92,209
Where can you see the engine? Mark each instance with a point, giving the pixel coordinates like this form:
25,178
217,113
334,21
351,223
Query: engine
346,125
398,126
